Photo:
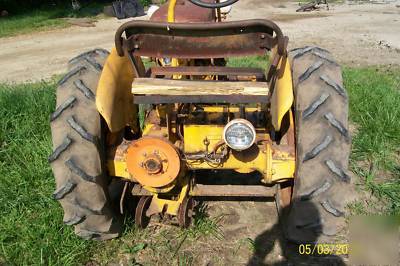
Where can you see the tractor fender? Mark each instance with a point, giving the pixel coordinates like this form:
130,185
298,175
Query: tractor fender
114,100
282,97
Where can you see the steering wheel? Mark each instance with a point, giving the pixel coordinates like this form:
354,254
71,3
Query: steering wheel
213,5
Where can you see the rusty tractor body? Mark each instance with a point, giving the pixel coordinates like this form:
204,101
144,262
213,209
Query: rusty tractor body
184,131
187,125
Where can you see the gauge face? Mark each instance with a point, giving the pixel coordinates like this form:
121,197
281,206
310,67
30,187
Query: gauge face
239,134
167,61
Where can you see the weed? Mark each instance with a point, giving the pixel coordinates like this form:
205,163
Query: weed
249,243
135,248
185,259
205,226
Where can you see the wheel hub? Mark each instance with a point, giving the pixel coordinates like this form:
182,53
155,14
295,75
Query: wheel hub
153,162
153,165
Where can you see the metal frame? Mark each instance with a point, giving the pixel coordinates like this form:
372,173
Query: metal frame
195,40
200,41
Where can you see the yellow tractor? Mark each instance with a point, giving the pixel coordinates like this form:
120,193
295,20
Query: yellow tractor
163,120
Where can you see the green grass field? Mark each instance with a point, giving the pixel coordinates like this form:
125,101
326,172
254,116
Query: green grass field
31,229
46,18
375,114
50,17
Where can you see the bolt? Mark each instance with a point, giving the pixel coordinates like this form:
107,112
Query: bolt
262,36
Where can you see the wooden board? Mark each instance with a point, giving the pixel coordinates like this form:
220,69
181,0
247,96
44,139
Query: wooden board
152,86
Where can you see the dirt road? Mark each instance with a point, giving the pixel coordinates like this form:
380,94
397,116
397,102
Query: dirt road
356,34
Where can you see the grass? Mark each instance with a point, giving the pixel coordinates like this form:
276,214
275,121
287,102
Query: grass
45,19
49,18
374,100
249,61
31,229
32,21
159,242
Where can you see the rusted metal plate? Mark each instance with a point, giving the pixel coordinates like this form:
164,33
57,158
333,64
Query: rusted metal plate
222,99
198,47
208,70
199,40
232,191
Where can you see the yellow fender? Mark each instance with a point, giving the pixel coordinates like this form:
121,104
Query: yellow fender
282,96
114,99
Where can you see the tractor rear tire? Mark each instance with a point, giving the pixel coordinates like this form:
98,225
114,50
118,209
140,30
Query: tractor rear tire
322,187
78,158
